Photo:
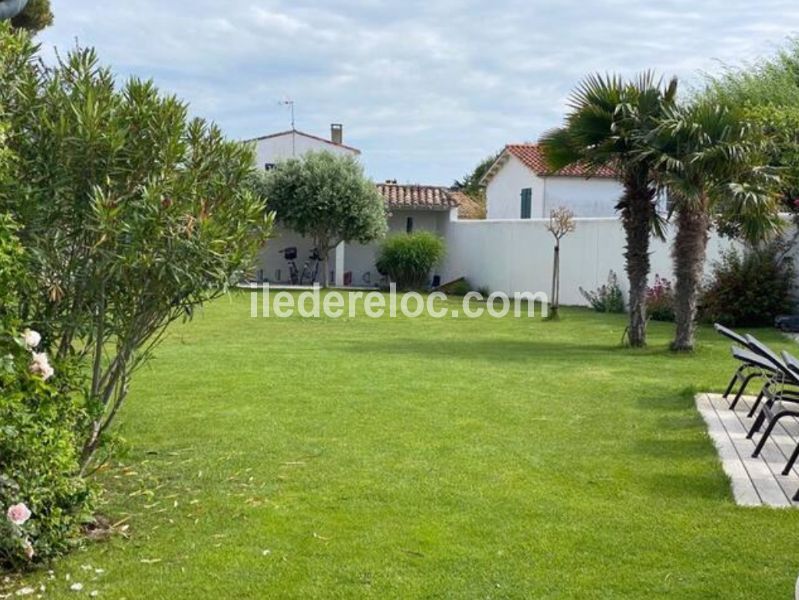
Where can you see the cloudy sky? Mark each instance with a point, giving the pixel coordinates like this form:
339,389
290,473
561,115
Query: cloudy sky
425,88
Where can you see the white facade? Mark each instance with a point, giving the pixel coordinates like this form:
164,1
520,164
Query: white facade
516,256
271,149
353,263
594,197
358,259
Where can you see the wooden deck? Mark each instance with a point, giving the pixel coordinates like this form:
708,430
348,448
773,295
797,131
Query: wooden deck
755,481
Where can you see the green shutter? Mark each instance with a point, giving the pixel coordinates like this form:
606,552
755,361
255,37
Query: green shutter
527,203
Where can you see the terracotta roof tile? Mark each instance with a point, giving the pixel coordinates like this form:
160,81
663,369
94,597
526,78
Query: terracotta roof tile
532,157
468,208
417,196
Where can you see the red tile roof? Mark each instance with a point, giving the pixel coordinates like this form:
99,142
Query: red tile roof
468,207
532,156
417,196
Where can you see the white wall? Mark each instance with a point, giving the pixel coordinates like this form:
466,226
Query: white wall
271,265
290,145
516,256
360,259
595,197
504,191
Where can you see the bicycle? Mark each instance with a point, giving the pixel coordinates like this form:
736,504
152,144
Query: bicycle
309,269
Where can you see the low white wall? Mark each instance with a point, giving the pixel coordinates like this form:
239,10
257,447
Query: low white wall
516,256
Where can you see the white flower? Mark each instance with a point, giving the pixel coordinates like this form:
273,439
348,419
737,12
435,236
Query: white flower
31,338
18,514
41,366
28,548
76,587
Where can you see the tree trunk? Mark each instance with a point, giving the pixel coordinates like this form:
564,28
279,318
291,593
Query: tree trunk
638,210
554,303
688,253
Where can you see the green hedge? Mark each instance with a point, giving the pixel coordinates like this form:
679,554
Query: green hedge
408,259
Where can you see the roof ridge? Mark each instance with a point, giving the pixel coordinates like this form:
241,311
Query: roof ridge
303,133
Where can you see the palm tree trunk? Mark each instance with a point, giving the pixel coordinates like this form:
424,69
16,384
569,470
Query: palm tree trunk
637,213
688,253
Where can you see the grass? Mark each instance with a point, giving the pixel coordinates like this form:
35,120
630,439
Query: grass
360,458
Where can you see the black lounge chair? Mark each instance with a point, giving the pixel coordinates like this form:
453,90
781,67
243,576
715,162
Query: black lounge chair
752,365
780,407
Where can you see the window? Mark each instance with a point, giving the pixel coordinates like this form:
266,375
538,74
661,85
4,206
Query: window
527,203
269,166
409,225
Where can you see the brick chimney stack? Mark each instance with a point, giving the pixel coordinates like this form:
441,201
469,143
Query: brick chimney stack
337,133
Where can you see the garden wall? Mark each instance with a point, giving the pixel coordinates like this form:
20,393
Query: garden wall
516,255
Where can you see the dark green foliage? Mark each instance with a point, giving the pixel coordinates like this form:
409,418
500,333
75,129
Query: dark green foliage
132,213
408,259
750,288
471,184
767,91
36,16
40,425
607,298
660,300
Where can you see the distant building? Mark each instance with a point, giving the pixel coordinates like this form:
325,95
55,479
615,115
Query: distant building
411,208
270,149
520,185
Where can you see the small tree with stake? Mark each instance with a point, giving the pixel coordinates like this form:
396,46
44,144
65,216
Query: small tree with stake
561,223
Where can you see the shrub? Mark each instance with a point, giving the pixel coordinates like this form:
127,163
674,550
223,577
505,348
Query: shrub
750,288
134,214
408,259
660,300
608,298
41,417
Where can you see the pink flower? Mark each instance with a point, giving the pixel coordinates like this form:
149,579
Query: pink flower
31,338
18,514
28,549
41,366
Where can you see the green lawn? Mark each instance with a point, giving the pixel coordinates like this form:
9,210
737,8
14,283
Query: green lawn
426,458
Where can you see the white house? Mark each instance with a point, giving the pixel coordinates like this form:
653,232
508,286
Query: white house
269,149
520,185
411,208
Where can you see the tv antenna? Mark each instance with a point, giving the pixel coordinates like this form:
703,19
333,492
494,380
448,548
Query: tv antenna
290,103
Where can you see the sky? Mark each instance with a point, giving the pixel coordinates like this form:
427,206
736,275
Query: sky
425,88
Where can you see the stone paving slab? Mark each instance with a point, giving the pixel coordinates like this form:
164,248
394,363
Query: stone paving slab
755,481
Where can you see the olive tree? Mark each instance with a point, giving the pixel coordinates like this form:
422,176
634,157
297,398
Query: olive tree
326,197
133,214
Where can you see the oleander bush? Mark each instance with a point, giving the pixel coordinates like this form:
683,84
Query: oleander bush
119,214
407,259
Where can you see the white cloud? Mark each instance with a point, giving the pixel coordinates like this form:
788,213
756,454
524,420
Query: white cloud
425,88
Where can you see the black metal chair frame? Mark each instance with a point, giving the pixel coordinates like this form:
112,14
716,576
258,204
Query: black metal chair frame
753,366
780,403
782,385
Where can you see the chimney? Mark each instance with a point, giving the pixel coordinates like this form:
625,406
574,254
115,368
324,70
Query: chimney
337,133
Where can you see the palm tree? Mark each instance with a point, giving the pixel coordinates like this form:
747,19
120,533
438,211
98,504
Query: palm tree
607,123
710,162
